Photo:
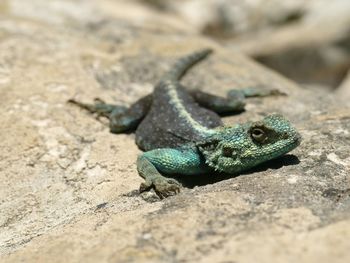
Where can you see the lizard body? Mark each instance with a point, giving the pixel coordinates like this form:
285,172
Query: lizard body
182,133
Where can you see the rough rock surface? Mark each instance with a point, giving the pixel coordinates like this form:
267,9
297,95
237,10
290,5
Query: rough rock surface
68,186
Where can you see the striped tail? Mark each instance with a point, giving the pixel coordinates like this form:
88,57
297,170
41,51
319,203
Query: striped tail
183,64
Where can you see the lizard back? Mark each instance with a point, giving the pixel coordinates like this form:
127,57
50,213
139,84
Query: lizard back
174,117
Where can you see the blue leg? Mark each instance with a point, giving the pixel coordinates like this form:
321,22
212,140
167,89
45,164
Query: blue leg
152,164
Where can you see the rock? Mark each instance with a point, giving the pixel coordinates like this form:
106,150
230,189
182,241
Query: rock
68,187
343,91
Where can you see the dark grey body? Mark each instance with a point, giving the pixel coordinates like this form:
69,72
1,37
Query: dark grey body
164,125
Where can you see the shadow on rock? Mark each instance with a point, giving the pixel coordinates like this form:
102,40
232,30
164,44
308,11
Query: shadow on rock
204,179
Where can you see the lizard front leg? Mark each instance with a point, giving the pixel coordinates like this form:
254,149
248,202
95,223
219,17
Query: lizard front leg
163,186
152,164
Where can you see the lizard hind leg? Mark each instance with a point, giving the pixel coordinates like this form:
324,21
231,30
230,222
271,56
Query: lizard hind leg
250,92
131,117
234,101
218,104
100,107
121,118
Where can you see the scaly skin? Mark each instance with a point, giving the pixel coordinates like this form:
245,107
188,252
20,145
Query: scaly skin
181,137
229,150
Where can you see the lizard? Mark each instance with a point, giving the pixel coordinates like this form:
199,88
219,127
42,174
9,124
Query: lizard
181,132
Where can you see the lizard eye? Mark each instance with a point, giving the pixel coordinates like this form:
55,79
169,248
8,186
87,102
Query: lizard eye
258,134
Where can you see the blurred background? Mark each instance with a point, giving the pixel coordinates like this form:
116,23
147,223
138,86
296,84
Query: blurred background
305,40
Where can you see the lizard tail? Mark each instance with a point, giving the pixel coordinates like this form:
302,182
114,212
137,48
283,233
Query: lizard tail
183,64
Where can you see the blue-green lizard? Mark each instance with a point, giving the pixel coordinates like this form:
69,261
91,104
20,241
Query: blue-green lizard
182,133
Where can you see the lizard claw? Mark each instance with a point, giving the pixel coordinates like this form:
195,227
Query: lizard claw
164,187
145,186
275,92
99,101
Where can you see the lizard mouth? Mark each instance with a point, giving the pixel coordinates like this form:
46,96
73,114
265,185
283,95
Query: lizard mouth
289,145
297,139
250,158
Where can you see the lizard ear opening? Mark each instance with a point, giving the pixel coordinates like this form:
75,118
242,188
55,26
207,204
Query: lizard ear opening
207,146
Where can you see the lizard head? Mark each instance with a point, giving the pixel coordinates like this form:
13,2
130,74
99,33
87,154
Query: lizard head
241,147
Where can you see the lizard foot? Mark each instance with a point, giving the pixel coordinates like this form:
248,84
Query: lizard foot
273,92
100,108
164,187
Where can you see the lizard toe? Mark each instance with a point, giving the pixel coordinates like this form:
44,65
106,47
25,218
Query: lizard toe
145,186
167,187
